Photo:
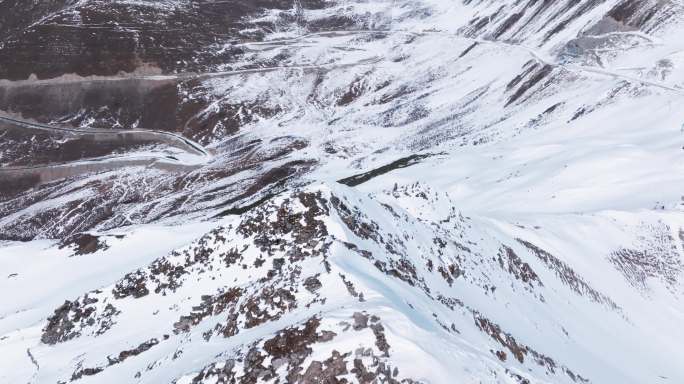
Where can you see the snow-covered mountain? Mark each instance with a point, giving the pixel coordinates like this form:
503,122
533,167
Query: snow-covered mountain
313,191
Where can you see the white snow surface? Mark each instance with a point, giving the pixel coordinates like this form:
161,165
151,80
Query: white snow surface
579,179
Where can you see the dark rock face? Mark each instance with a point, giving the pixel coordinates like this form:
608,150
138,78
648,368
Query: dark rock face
291,347
84,243
513,21
98,38
97,58
25,147
653,258
67,321
102,205
640,14
17,15
123,103
105,38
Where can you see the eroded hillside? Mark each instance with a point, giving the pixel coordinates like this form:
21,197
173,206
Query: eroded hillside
426,191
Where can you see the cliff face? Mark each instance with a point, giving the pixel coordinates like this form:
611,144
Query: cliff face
105,38
301,191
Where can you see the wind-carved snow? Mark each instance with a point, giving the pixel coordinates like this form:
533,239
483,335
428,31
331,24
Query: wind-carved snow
401,192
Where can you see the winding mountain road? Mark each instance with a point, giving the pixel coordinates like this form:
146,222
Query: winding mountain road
196,76
533,52
50,172
191,147
170,138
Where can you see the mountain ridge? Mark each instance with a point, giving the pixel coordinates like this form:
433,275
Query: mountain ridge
399,191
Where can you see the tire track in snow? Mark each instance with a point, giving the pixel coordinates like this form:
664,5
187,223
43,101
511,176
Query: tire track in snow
35,364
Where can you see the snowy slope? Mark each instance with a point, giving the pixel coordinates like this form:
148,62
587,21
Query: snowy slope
426,191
